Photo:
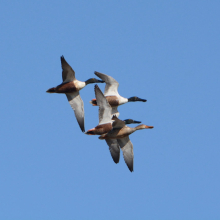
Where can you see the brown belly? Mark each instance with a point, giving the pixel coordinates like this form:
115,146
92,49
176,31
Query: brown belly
115,133
113,100
102,129
66,88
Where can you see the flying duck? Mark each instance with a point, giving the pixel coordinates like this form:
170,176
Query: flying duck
120,136
111,94
113,143
71,86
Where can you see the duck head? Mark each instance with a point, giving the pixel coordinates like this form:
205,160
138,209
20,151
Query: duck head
135,99
93,80
131,121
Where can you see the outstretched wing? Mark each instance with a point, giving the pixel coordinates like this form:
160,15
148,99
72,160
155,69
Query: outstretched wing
111,87
68,73
127,148
114,149
77,105
104,108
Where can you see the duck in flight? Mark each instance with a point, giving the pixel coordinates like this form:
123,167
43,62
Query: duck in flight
71,86
119,137
112,95
113,143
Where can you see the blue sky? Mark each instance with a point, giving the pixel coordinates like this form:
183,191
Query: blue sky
165,51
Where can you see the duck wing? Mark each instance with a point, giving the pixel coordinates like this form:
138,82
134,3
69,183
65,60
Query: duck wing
105,109
127,148
114,149
68,73
117,123
111,87
77,105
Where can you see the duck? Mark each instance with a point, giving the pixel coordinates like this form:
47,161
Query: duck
121,132
105,116
114,147
112,95
71,87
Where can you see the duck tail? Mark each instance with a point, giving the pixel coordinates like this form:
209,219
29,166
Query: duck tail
91,131
93,102
51,90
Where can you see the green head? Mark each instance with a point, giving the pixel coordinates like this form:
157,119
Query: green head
93,80
135,99
131,121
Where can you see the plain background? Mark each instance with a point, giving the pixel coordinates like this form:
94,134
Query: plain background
165,51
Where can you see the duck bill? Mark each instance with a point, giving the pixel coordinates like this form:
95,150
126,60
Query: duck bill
150,127
141,100
137,122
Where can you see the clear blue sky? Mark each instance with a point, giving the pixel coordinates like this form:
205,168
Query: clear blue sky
165,51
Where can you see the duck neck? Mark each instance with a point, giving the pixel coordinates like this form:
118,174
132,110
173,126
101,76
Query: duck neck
139,127
89,81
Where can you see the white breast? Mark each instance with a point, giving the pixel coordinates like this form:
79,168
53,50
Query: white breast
79,84
122,100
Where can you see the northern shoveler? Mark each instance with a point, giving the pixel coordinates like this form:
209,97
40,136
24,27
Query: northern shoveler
71,87
111,94
119,136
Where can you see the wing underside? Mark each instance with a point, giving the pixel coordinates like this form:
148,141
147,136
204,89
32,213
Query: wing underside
114,149
127,148
77,105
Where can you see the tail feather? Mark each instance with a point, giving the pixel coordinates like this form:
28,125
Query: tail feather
93,102
91,131
51,90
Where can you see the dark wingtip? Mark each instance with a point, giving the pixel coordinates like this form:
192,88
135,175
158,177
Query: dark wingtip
96,73
115,160
82,127
96,88
131,168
